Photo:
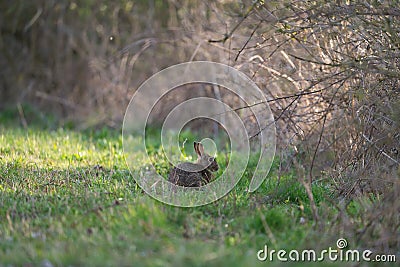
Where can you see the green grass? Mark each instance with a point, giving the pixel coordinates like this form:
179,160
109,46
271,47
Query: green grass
67,198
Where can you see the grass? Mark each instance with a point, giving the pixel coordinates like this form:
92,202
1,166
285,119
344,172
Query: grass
67,199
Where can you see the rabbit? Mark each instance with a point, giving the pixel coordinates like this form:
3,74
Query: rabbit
196,174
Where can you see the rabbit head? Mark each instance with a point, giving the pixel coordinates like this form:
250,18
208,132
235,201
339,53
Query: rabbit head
204,159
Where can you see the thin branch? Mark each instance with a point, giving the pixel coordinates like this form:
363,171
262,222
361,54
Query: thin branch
380,150
323,129
248,40
229,35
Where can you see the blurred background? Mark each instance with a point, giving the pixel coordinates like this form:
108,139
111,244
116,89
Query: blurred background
329,69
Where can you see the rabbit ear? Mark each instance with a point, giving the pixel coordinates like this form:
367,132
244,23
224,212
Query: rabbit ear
198,147
195,145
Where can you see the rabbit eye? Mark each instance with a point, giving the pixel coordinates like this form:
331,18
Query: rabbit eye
211,159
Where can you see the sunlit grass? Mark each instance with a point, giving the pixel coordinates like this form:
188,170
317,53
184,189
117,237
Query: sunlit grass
67,198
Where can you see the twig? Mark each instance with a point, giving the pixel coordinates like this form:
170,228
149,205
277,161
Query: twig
196,50
57,99
229,35
307,186
34,19
323,129
248,40
22,116
380,150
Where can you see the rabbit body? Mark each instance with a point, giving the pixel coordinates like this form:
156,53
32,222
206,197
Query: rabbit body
197,174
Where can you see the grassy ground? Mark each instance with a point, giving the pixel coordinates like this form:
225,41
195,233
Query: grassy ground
67,199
